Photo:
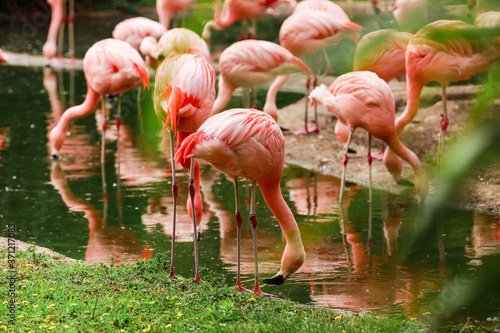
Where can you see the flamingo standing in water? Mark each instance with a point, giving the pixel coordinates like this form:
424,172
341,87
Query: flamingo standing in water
166,8
55,36
241,10
442,51
110,66
249,144
362,99
183,99
309,31
249,63
134,30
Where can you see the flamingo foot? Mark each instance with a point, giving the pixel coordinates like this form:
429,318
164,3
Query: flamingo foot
379,155
315,129
256,290
304,131
241,288
172,275
197,278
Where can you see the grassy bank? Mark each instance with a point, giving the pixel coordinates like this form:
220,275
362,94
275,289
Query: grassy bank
53,296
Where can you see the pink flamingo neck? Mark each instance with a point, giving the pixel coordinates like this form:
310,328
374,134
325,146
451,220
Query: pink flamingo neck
270,106
413,89
223,96
50,47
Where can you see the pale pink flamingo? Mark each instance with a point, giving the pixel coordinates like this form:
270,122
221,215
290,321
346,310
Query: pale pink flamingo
110,66
134,30
241,10
322,5
248,143
442,51
55,36
249,63
173,42
382,52
362,99
488,20
411,15
166,8
183,99
309,31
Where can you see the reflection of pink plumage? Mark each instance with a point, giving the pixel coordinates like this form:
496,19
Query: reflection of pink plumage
183,99
111,67
249,63
240,10
135,29
362,99
166,8
249,144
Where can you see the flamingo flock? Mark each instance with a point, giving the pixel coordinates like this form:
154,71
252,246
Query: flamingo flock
248,143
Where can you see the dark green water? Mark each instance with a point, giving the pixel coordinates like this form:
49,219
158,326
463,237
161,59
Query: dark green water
353,263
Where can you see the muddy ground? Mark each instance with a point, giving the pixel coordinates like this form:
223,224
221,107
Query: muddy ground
323,152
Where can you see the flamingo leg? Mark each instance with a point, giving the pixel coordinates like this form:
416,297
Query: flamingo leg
71,34
192,191
369,158
139,109
175,190
305,130
103,149
253,220
344,164
239,219
118,155
444,126
316,125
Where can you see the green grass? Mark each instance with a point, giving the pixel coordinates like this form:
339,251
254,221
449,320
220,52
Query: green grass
52,296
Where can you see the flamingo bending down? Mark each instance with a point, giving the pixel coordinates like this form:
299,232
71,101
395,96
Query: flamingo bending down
55,36
183,99
309,31
443,51
166,8
173,42
241,10
249,144
134,30
249,63
362,99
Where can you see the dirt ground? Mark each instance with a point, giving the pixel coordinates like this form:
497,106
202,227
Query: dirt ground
323,152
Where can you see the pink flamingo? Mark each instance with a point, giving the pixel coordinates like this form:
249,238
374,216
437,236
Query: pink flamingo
241,10
309,31
232,142
55,36
322,5
183,99
442,52
249,63
488,20
411,15
166,8
173,42
135,29
110,66
362,99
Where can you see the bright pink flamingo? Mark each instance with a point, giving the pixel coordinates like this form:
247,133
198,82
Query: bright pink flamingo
241,10
55,36
382,52
411,15
362,99
442,52
135,29
309,31
166,8
183,99
249,144
173,42
249,63
110,66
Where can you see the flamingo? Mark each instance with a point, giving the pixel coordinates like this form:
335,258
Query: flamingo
442,52
382,52
241,10
362,99
411,15
249,144
249,63
134,30
110,66
309,31
183,99
55,35
166,8
175,41
322,5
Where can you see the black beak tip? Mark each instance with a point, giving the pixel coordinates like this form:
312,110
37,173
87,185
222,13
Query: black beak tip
276,280
198,236
55,157
351,151
405,182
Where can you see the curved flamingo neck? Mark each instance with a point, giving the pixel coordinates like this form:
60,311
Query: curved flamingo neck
49,49
414,86
223,96
270,106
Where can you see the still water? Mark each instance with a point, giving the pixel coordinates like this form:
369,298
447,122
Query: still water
358,256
